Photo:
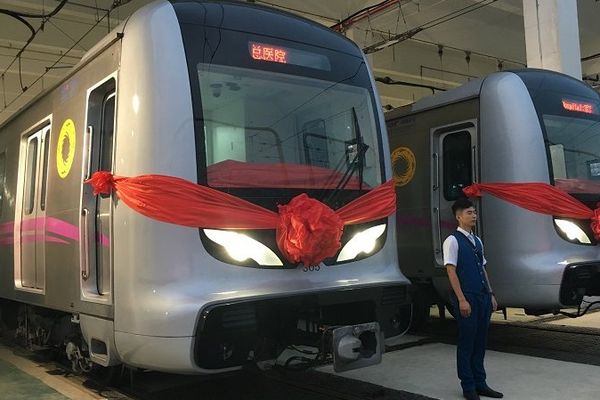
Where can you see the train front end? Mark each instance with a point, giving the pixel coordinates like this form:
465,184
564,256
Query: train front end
541,126
569,114
264,106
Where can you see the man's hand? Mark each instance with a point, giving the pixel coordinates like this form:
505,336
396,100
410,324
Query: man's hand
494,303
465,308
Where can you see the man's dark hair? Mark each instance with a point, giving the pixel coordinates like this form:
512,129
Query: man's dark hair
461,204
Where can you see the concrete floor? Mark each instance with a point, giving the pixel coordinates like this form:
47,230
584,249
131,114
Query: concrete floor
24,379
430,370
427,369
17,385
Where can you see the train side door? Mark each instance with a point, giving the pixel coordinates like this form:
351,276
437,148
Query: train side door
454,155
30,226
96,211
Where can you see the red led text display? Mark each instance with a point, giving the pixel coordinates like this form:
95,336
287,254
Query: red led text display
265,52
578,106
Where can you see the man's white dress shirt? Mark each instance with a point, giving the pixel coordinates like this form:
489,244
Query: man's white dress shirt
450,248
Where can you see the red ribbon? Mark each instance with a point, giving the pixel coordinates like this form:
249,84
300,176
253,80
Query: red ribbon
541,198
307,230
102,182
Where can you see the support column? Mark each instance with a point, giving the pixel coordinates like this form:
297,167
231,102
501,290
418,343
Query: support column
552,35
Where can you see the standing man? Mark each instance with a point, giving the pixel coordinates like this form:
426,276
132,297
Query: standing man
473,300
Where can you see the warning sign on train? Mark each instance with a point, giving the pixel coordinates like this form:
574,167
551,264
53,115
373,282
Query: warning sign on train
404,164
65,150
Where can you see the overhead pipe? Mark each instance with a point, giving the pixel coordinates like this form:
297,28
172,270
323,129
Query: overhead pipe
593,56
363,14
389,81
446,71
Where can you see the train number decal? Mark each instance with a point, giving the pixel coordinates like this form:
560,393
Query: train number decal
311,268
65,149
404,164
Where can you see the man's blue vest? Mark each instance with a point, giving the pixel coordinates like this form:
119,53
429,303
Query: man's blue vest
470,265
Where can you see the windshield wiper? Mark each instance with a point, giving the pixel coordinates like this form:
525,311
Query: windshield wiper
358,148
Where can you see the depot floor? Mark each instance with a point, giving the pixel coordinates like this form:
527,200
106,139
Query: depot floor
528,358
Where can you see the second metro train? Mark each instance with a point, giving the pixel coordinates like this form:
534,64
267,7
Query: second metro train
514,126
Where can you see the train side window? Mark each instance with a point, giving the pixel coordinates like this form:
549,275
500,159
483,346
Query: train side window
2,178
30,174
457,166
46,147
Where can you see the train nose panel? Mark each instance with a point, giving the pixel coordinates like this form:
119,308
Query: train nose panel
350,324
580,280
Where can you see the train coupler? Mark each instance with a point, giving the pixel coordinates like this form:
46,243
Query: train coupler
356,346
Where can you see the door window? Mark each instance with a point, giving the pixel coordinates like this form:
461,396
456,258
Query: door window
457,164
30,174
44,183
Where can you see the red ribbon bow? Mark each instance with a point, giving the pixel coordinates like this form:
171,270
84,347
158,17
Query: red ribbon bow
308,231
102,182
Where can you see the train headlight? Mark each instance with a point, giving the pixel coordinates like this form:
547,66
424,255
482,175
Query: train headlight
573,232
362,242
241,247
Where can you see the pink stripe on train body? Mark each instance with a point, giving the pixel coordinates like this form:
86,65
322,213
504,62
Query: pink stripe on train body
50,225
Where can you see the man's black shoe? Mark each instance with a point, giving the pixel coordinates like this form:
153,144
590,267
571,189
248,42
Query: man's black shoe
488,392
472,395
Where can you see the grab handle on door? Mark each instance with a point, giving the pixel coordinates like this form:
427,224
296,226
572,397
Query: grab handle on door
85,259
438,221
474,164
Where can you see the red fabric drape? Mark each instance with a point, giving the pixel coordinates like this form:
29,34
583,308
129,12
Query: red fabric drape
181,202
307,230
379,202
541,198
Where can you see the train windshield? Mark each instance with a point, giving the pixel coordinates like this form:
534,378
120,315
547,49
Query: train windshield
275,130
279,113
573,144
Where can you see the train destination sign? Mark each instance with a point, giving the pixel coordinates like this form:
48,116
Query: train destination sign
265,52
578,106
285,55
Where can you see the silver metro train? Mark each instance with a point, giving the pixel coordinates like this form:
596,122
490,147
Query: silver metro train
522,126
254,102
